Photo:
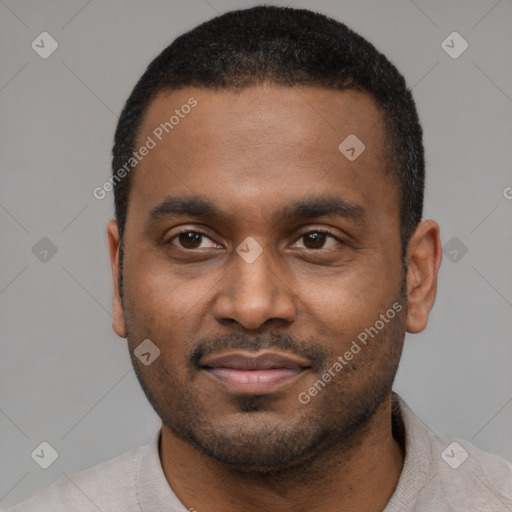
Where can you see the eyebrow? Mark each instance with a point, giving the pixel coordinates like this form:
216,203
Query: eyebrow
309,208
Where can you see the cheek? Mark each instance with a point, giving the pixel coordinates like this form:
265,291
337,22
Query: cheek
164,308
166,292
349,300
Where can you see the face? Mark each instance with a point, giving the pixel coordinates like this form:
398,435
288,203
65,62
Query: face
257,256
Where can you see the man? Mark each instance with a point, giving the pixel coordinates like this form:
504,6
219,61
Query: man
268,256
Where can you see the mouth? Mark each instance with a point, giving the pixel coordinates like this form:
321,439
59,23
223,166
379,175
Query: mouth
254,374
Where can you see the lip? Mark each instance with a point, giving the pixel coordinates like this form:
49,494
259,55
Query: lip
254,374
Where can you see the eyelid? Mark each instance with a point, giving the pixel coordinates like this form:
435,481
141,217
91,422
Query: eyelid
185,229
325,231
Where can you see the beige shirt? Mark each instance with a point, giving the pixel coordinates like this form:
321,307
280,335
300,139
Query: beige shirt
439,475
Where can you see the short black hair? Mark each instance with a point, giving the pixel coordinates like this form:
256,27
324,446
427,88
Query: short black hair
287,47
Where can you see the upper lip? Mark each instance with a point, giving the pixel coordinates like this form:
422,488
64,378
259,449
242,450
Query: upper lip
249,361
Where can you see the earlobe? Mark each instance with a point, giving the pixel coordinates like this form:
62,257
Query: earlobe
118,324
424,256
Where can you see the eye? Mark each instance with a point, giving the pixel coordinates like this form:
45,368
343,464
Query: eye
190,239
317,238
194,238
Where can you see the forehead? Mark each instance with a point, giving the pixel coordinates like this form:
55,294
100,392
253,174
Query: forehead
262,146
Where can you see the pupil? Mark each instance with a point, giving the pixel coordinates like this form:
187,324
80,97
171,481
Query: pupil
318,239
190,238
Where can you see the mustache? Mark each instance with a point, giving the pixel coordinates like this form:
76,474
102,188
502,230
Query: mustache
284,342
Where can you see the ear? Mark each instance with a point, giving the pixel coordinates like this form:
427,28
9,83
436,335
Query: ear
117,309
424,254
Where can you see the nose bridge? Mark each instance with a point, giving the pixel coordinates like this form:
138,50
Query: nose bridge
253,271
253,290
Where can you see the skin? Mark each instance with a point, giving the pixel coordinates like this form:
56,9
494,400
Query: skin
251,153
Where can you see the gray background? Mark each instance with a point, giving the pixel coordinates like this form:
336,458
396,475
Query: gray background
66,378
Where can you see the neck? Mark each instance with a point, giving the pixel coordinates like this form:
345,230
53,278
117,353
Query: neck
358,476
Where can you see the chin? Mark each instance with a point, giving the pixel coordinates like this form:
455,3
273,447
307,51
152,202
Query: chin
256,442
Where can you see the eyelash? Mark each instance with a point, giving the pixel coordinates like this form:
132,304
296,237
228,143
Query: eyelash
204,233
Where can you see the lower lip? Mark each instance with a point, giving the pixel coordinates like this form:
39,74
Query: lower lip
254,381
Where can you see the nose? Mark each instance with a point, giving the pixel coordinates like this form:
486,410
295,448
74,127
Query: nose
252,293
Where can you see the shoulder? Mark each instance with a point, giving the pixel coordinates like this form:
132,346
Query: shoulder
472,477
449,473
107,486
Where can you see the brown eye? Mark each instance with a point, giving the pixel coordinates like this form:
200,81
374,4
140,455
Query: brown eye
316,239
190,240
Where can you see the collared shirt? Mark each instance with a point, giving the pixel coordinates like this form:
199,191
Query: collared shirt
438,475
